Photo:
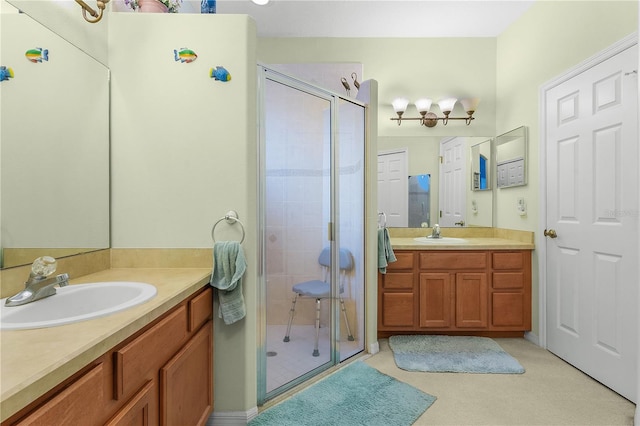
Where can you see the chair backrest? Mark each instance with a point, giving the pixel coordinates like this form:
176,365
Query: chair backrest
346,259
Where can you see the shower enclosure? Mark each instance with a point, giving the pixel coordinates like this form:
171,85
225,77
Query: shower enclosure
312,146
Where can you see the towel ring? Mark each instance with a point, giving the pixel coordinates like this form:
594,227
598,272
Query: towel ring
231,218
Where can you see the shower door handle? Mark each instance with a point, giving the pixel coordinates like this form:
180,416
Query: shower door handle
330,236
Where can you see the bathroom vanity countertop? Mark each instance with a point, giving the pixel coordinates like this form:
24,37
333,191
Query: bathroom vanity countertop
406,243
34,361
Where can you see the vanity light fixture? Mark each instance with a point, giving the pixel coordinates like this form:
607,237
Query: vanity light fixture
430,119
97,16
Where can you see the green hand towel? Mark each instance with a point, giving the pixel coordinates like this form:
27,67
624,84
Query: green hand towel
229,265
385,252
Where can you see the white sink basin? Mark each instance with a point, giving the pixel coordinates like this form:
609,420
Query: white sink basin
441,240
75,303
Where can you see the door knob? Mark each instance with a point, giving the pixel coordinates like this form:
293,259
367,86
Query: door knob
551,233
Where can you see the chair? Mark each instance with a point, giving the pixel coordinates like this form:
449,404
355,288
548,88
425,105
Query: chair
321,289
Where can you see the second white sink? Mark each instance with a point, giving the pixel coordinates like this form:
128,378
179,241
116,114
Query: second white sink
441,240
76,303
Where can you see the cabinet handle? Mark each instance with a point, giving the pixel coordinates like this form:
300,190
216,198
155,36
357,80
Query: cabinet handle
551,233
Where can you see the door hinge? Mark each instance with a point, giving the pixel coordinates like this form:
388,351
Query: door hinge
441,159
440,214
330,231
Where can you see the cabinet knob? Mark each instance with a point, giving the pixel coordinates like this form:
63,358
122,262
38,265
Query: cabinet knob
551,233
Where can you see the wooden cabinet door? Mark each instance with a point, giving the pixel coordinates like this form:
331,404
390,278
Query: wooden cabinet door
79,404
471,300
436,300
186,387
141,410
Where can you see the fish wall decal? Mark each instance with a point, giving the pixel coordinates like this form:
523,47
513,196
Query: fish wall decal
6,73
184,55
219,73
37,55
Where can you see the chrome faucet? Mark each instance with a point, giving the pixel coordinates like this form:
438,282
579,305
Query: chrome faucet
435,232
39,285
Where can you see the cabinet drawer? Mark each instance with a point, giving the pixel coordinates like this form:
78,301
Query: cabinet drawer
508,260
200,309
139,361
509,310
404,261
80,403
508,280
397,281
453,260
397,309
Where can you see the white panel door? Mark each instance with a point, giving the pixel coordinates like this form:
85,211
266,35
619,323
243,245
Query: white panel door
592,205
393,188
453,178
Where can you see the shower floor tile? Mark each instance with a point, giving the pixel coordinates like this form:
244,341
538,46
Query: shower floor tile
288,360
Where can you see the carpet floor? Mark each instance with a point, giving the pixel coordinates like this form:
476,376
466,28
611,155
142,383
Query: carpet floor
452,354
550,392
354,395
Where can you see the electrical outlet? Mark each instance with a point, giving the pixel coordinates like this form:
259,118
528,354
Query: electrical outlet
522,206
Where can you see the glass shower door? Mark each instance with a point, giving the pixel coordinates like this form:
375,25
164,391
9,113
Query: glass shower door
305,321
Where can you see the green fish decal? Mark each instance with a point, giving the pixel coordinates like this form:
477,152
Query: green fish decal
185,55
37,55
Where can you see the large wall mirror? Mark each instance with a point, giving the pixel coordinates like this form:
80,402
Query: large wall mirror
511,158
438,188
54,174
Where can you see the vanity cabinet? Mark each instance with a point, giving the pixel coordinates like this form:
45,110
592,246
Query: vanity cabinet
477,292
161,375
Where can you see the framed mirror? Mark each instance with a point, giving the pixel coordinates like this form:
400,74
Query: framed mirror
54,171
511,158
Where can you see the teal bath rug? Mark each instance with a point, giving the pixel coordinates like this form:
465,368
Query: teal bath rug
354,395
452,354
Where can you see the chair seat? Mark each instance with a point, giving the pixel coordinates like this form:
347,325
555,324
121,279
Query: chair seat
314,288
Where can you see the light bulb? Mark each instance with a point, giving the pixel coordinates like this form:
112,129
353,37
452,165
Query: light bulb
423,105
446,105
400,105
470,105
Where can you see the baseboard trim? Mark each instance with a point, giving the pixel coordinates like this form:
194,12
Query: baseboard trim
232,418
532,337
374,348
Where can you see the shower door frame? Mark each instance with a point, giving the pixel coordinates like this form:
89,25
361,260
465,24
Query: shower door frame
265,73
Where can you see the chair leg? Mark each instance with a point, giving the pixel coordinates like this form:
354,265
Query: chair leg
346,320
292,312
316,352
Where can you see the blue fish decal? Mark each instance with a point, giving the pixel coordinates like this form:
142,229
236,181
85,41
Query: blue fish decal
219,73
37,55
5,73
185,55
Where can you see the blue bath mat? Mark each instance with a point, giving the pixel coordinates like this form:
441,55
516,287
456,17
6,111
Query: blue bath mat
354,395
452,354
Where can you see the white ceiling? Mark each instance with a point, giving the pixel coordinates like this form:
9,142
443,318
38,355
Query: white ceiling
379,18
